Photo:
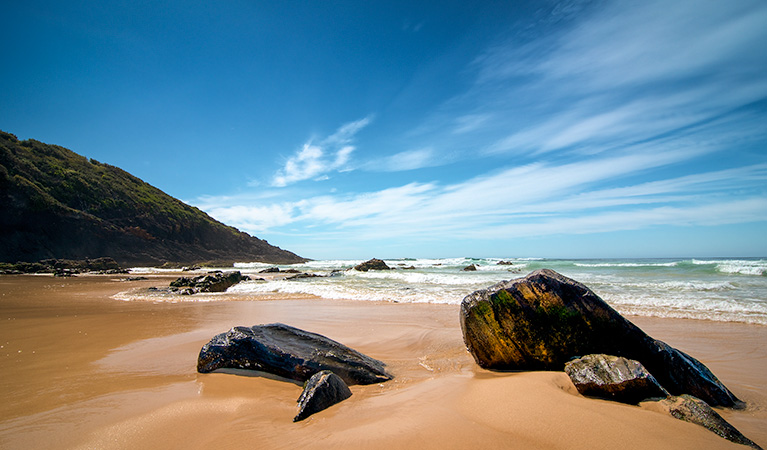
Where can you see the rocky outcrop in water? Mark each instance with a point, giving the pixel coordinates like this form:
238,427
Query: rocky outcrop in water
613,378
470,268
543,320
695,410
373,264
323,390
303,275
213,282
288,352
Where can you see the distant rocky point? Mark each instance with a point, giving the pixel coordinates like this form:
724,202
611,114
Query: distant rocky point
55,203
64,267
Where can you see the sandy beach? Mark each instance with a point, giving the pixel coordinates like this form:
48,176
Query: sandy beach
81,369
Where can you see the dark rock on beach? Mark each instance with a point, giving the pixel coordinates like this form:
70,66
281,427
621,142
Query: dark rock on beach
288,352
695,410
134,279
215,282
65,273
543,320
613,378
470,268
373,264
323,390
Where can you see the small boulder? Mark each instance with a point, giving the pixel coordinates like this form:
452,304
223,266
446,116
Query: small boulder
613,378
470,268
270,270
504,263
694,410
373,264
289,352
323,390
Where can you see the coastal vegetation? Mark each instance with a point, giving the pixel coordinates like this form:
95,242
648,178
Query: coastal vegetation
58,204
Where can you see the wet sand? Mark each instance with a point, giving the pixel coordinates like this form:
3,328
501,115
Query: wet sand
81,369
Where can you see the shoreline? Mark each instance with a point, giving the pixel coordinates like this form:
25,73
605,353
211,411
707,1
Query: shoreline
82,369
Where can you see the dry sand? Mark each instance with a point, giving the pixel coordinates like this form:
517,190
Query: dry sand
83,370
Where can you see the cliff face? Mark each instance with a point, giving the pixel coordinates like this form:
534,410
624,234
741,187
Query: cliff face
55,203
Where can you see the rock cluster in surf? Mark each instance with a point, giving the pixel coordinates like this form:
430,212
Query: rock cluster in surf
212,282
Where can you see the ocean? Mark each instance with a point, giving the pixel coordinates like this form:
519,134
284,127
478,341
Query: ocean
721,289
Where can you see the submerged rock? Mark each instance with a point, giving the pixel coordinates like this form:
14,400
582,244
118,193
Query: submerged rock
373,264
613,378
323,390
288,352
543,320
302,275
695,410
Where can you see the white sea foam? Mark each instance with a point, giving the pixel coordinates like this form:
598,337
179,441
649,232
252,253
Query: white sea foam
631,264
150,270
735,266
700,289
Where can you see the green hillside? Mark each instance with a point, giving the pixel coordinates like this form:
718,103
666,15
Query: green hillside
55,203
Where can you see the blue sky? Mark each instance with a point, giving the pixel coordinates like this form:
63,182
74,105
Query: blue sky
417,129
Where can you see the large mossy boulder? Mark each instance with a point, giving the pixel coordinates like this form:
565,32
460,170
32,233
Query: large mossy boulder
289,352
543,320
613,378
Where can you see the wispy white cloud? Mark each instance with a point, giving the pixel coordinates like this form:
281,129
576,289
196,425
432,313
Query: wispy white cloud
255,219
538,199
316,160
629,43
623,72
634,115
407,160
470,122
345,134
